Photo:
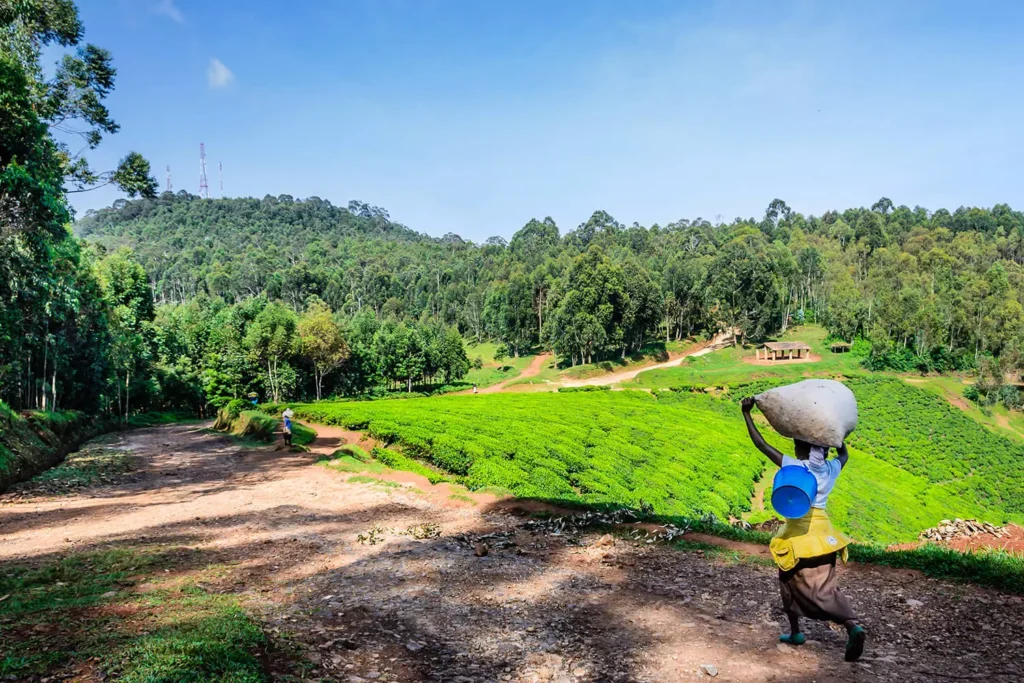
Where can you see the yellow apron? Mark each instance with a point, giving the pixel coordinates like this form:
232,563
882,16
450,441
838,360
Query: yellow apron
812,535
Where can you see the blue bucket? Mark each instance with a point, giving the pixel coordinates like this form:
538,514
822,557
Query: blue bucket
793,491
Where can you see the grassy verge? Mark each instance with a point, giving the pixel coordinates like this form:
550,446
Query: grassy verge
251,424
81,613
93,464
730,365
992,568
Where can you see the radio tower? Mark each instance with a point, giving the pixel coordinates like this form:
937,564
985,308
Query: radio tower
204,189
220,167
170,188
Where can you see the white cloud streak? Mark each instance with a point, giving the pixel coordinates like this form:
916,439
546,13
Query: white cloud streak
168,9
218,75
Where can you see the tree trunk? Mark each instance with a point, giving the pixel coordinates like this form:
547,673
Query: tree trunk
409,386
53,386
127,393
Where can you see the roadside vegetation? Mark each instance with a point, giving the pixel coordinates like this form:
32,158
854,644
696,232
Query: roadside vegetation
686,454
82,609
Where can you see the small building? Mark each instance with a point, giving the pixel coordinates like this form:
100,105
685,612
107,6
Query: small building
841,347
782,351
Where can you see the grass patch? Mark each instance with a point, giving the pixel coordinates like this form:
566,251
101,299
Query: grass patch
346,463
84,607
302,435
465,498
400,461
727,366
363,479
251,424
93,464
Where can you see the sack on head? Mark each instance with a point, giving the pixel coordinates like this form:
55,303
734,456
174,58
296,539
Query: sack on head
819,411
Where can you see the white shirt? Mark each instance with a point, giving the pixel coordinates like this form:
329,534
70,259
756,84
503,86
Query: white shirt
825,472
287,414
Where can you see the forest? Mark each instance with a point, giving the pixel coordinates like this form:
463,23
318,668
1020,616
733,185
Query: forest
169,301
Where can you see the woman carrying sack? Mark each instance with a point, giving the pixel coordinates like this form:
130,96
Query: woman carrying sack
805,549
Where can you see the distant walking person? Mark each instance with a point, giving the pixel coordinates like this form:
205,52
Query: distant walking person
805,549
475,389
287,415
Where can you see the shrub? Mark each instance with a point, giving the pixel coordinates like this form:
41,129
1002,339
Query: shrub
1009,396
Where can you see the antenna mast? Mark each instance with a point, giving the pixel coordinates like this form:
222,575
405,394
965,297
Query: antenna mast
204,189
170,188
220,167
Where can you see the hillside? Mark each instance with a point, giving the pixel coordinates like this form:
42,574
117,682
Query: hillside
915,460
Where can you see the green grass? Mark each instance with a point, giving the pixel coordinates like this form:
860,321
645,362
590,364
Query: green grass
400,461
914,459
492,371
91,465
992,568
363,479
726,367
31,443
347,463
1009,423
84,606
251,424
302,435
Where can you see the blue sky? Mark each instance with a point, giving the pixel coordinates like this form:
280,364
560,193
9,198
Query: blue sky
473,117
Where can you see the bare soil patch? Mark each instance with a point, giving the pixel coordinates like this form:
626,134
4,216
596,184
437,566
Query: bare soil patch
810,358
282,533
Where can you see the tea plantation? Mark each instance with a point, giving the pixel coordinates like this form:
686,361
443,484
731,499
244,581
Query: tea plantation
914,461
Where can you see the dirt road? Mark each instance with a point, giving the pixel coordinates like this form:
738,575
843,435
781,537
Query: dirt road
282,533
531,370
629,375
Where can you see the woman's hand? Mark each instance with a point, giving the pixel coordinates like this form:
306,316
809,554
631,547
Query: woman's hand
747,404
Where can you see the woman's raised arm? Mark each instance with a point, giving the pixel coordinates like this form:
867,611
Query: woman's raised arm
774,454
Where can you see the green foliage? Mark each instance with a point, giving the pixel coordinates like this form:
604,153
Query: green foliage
994,568
182,634
914,459
248,423
398,461
31,443
302,435
602,447
598,387
216,643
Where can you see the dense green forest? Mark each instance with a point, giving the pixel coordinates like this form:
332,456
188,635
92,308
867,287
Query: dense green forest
172,301
922,290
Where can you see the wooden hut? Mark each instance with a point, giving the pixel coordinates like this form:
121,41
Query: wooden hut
840,347
782,351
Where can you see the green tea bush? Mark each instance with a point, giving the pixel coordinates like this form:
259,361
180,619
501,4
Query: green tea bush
687,455
398,461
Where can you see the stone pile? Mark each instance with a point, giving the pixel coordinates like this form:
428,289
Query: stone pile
948,530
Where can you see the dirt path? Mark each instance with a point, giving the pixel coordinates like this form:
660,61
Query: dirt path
629,375
531,370
281,532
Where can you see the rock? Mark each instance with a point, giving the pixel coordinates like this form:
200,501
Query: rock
709,669
914,604
356,679
109,594
481,550
413,646
786,649
605,541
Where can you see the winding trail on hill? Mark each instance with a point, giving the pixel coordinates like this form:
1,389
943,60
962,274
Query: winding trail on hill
721,340
280,531
531,370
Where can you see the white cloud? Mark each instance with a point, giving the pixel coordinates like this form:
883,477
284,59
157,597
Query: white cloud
218,75
168,9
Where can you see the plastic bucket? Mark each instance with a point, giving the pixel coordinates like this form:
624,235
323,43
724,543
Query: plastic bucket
793,491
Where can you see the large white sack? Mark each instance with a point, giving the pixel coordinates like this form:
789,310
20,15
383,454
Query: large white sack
819,411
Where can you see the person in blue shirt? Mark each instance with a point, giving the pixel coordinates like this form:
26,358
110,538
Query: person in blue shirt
806,549
287,415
